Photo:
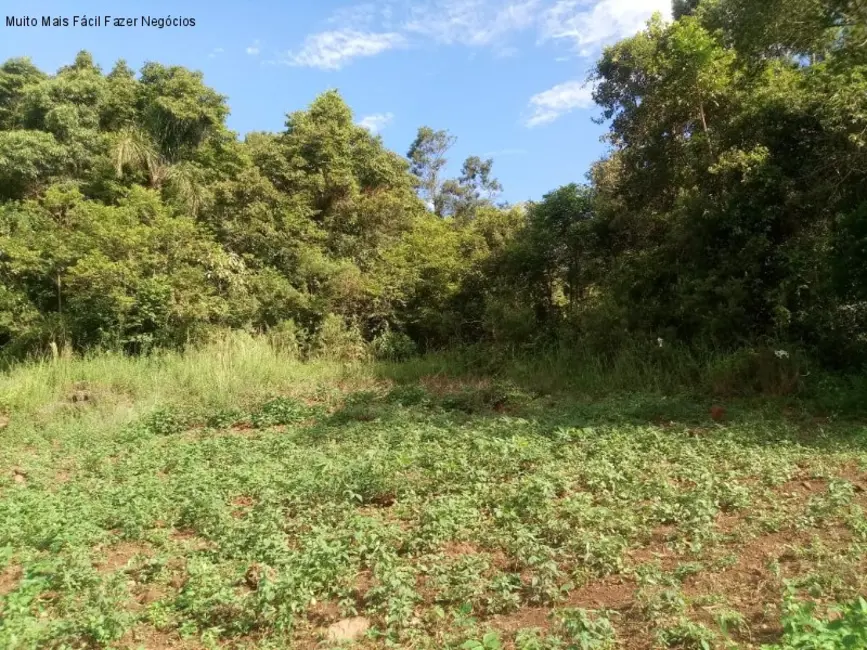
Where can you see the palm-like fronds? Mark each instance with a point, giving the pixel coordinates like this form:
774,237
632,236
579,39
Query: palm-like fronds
134,148
187,185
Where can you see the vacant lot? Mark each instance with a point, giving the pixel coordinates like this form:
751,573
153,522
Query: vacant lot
219,502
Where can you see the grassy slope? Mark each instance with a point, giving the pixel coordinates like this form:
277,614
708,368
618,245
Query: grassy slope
232,498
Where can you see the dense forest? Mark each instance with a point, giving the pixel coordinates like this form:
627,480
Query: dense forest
730,209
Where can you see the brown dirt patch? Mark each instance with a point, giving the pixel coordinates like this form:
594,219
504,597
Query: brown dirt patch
241,505
190,539
604,594
753,558
62,477
748,585
347,629
524,618
856,475
730,523
459,549
255,574
9,578
363,583
802,488
657,549
146,636
118,557
323,613
147,594
656,553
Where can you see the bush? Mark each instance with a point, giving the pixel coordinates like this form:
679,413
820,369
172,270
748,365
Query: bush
393,346
764,371
338,341
287,338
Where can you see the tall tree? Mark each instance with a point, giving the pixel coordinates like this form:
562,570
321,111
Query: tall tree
427,156
681,8
15,76
474,188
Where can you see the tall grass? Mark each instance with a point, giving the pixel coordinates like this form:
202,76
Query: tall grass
632,368
231,370
771,372
236,369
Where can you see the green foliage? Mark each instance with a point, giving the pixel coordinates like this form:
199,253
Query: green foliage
718,206
586,632
687,635
287,338
336,340
229,493
279,411
804,631
427,160
491,641
131,274
28,158
729,213
393,346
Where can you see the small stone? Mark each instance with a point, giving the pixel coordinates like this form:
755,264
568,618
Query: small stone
348,629
20,479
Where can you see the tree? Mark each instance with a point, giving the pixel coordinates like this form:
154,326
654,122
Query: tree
717,203
474,188
681,8
15,76
177,110
28,159
427,160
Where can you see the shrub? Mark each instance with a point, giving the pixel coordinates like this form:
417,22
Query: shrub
393,346
803,631
767,371
338,341
287,338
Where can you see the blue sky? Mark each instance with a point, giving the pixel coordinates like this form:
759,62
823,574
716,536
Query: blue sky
505,77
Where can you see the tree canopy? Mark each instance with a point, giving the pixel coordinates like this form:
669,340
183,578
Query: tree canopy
730,207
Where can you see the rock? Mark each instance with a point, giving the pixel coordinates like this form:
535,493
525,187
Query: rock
347,629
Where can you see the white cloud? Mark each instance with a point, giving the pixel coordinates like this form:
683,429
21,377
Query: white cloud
471,22
376,122
368,28
254,49
561,99
591,25
215,52
334,49
361,15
